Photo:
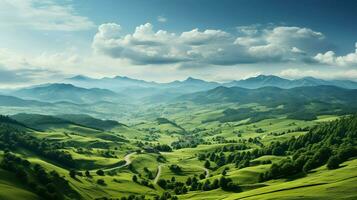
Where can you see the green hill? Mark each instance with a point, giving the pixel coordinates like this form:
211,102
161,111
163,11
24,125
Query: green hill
88,121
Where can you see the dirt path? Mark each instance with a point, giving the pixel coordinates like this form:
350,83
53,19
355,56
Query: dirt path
207,172
158,174
127,162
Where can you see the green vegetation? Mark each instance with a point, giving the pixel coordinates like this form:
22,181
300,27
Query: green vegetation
225,143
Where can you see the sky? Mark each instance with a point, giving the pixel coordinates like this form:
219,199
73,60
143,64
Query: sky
165,40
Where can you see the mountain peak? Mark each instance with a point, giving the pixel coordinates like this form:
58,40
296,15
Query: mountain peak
190,79
122,78
262,76
79,78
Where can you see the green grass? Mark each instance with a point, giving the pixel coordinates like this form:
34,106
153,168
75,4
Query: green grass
12,189
319,184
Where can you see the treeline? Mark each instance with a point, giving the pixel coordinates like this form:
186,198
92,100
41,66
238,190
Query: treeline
47,185
331,143
239,158
194,184
164,196
12,138
188,141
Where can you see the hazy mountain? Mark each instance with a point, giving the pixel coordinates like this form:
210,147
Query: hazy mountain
260,81
139,89
66,92
117,83
191,85
274,95
18,102
275,81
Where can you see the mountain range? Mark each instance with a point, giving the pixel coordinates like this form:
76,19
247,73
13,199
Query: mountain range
86,90
191,84
276,81
66,92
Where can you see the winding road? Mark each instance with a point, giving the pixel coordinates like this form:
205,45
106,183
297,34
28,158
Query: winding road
127,162
206,172
158,174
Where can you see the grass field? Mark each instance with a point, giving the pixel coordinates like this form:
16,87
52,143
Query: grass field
93,149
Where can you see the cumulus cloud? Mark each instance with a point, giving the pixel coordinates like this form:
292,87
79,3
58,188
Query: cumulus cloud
42,15
294,73
208,47
330,58
16,67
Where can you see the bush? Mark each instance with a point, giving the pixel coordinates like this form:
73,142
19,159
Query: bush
100,172
334,162
101,182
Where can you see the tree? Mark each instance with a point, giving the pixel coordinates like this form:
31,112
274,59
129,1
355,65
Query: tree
308,165
100,172
162,183
224,172
278,151
135,178
87,173
72,173
215,184
207,164
206,185
333,162
101,182
188,181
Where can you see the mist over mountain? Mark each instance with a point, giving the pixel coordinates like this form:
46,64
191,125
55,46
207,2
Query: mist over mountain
66,92
85,90
276,81
193,85
274,96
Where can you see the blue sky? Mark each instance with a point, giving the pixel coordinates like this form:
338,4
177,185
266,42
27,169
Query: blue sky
164,40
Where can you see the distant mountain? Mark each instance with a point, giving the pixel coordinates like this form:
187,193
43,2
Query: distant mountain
274,96
117,83
275,81
140,89
260,81
18,102
146,89
66,92
191,85
303,103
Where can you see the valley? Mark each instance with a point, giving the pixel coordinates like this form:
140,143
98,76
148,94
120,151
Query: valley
219,143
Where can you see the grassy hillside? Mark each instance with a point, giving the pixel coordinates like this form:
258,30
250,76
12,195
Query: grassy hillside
180,155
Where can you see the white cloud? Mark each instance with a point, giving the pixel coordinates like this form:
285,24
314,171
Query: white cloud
294,73
161,19
330,58
208,47
42,15
195,37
